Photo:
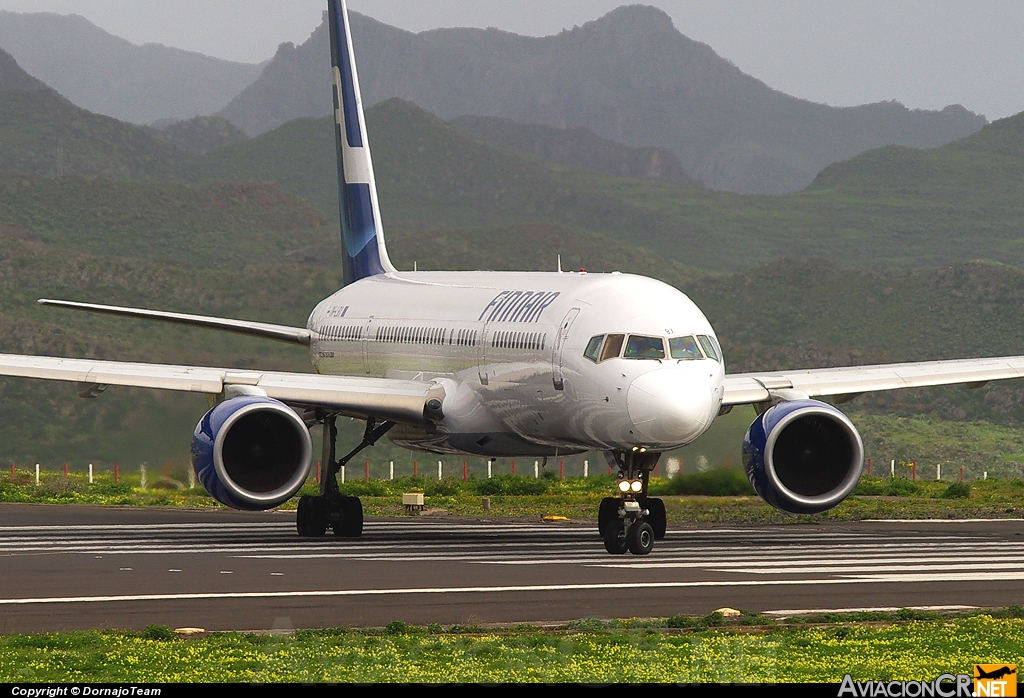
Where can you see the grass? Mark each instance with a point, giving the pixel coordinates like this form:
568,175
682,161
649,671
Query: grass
698,498
745,649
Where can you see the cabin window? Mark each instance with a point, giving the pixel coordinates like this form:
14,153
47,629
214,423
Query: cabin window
684,348
709,348
612,346
593,348
641,347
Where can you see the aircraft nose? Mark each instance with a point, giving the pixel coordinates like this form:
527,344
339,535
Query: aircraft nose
671,405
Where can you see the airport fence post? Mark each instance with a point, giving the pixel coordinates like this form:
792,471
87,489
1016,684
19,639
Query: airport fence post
438,470
37,474
869,467
561,470
489,461
586,468
536,468
142,475
117,473
90,473
367,471
12,472
513,468
961,473
913,470
65,471
391,471
984,475
938,471
415,468
465,471
318,472
892,468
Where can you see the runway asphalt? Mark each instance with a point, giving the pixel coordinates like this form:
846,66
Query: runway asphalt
78,567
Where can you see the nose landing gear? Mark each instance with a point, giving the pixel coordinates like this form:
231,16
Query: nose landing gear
632,521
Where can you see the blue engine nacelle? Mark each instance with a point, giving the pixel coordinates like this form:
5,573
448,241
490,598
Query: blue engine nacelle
251,452
803,456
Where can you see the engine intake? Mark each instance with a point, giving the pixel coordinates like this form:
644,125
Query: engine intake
251,452
803,456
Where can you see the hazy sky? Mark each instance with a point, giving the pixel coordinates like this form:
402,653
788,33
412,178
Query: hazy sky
924,53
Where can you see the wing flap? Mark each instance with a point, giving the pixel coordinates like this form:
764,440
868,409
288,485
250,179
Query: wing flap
397,400
749,388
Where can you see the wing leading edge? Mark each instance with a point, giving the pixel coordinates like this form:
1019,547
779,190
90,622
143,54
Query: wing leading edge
851,381
381,398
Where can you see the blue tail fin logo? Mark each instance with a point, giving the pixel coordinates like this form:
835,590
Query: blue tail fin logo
362,234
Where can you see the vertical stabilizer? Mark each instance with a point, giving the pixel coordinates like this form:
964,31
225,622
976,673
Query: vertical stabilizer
362,235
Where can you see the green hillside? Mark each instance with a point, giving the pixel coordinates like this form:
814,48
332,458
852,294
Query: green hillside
886,208
219,225
791,313
579,147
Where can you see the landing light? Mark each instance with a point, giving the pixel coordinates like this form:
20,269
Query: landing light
636,485
624,485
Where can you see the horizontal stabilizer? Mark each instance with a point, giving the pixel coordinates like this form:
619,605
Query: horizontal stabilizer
263,330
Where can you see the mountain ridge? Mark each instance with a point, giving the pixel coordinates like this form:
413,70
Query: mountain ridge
109,75
630,76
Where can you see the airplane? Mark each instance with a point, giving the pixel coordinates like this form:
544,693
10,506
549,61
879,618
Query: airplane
498,364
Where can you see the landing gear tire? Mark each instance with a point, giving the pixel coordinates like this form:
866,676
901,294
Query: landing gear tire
656,516
640,538
351,523
608,512
311,517
615,537
302,516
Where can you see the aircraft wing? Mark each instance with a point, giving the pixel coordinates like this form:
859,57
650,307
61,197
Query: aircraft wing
382,398
851,381
263,330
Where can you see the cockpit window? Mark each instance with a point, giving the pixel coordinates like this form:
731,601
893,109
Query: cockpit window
684,348
640,347
709,347
612,346
593,349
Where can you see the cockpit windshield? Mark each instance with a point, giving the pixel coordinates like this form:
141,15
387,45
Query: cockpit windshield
709,347
684,348
641,347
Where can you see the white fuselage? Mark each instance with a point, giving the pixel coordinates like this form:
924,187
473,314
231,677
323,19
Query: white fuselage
508,348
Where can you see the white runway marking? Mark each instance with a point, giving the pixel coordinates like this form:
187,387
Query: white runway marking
1003,576
722,558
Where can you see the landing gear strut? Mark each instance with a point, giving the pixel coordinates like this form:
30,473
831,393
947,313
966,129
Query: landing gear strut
632,521
331,509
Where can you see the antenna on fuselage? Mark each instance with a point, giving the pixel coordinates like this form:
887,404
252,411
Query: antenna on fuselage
559,264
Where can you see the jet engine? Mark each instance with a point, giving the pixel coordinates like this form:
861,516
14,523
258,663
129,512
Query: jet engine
251,452
803,456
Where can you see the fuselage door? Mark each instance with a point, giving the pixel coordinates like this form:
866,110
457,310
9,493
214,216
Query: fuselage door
556,356
482,355
366,341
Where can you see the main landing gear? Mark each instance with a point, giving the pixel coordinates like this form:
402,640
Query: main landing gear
632,521
331,509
